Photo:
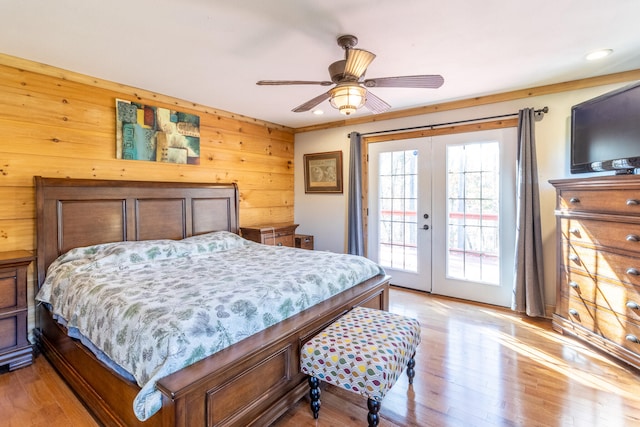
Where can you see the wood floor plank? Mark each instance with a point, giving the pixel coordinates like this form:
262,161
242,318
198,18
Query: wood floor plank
477,365
40,398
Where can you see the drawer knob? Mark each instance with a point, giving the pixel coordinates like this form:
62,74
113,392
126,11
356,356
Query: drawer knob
632,271
574,200
632,338
632,305
574,285
632,202
633,238
574,312
279,244
574,258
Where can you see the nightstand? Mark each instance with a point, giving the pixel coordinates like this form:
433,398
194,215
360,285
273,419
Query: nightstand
15,349
304,241
271,234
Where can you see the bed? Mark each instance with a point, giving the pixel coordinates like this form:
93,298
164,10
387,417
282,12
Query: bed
251,382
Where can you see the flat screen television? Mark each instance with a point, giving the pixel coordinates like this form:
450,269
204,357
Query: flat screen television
605,132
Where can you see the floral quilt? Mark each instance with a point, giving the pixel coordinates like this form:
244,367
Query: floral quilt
154,307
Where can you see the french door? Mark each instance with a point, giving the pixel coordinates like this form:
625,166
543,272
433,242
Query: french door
442,213
400,211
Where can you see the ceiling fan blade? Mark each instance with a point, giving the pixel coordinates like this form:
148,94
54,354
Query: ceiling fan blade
357,62
291,82
375,104
431,81
311,103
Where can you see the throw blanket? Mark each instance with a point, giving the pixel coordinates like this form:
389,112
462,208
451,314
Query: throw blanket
154,307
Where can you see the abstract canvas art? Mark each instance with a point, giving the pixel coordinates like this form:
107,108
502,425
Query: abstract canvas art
156,134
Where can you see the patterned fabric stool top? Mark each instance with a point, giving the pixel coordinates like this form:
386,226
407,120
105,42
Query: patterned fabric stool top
365,351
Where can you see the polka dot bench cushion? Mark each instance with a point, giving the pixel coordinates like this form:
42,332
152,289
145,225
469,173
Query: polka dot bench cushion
365,351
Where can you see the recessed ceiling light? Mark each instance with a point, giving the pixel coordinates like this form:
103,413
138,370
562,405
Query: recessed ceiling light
598,54
318,112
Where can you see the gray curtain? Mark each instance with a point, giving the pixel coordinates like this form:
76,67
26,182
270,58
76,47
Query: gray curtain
355,236
528,285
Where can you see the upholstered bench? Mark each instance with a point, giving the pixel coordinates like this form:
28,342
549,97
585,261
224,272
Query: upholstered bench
365,351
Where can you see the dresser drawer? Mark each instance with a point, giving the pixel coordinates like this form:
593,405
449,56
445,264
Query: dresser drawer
8,289
629,337
618,235
286,240
607,324
622,201
13,331
579,285
618,297
602,264
280,232
582,314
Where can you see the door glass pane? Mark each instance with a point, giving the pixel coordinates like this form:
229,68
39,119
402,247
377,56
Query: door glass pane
397,226
472,212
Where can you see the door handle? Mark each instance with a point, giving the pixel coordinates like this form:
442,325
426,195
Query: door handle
425,227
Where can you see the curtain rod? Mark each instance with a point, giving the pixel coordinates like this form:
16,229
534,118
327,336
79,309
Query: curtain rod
540,112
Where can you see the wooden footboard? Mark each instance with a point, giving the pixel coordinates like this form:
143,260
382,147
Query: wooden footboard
250,383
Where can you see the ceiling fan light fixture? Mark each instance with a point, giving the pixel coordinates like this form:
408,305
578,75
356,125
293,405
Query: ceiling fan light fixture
347,98
350,91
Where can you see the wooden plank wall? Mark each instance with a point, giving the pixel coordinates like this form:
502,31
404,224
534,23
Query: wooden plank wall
56,123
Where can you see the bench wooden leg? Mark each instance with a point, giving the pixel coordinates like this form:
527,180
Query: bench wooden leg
373,418
314,394
411,372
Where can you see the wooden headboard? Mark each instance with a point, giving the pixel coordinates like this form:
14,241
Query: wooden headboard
80,212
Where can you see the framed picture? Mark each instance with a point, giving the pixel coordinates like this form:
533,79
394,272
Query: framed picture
323,172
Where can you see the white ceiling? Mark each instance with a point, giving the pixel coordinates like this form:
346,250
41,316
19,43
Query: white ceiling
212,52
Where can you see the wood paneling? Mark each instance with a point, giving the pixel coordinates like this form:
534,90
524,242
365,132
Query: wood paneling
65,126
56,123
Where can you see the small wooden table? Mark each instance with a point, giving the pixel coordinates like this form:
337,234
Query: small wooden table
304,241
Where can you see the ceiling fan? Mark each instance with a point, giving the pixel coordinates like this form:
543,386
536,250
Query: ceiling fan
351,88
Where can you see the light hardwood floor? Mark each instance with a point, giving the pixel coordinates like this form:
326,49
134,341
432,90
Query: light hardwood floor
476,366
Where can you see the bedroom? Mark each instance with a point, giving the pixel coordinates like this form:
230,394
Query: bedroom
61,123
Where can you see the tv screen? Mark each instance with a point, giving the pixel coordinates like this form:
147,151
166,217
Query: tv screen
605,132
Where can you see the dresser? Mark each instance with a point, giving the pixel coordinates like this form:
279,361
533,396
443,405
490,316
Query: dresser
598,250
15,349
271,234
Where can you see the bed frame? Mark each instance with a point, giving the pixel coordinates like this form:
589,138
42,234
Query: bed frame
253,382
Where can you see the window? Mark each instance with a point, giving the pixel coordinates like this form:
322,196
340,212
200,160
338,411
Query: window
397,212
473,184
